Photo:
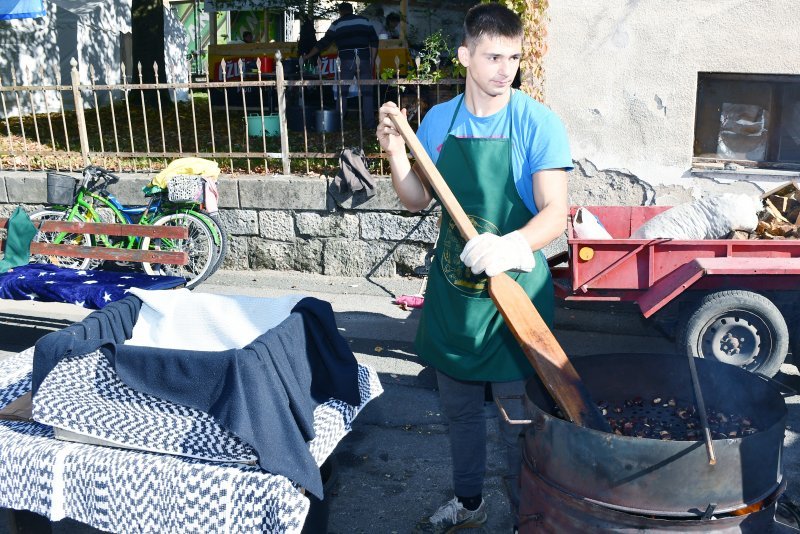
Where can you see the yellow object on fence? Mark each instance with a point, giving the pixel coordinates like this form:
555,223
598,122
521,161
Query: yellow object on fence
193,166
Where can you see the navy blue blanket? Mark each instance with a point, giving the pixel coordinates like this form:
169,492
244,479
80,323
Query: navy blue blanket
90,289
265,393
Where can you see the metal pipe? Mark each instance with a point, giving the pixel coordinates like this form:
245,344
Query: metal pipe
701,411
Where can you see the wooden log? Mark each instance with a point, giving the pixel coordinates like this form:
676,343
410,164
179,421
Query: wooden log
740,234
787,189
774,211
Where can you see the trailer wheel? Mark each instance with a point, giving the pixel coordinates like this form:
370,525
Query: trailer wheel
737,327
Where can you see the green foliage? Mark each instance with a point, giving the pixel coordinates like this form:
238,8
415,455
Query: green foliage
517,6
458,70
434,49
388,73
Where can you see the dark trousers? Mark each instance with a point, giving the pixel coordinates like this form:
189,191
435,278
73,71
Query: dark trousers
364,72
463,405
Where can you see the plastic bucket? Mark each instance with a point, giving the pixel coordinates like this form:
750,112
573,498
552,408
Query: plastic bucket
326,120
60,188
269,124
268,64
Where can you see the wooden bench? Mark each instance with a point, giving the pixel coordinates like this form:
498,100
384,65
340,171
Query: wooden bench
22,322
37,316
63,250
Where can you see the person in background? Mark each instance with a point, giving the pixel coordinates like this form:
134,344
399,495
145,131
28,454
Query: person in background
393,25
247,37
374,14
308,34
504,157
358,45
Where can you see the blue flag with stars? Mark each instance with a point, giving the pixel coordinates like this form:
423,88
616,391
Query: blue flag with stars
90,289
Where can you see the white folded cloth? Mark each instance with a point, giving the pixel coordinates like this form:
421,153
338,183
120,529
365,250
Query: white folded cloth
182,319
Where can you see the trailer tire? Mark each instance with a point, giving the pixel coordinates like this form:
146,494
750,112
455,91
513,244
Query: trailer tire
737,327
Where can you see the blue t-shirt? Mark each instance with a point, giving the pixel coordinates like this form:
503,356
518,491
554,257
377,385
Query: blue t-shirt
539,140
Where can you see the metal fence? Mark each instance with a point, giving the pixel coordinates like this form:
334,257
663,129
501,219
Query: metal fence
251,122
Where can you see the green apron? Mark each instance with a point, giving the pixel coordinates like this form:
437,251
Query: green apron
461,333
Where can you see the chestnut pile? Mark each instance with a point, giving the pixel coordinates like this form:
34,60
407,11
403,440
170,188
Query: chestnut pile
668,419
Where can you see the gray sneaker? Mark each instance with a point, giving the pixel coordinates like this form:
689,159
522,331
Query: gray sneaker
452,516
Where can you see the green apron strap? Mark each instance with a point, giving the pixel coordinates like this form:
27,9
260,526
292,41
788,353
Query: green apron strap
455,114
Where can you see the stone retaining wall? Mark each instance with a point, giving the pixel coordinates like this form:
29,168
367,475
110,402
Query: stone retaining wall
287,223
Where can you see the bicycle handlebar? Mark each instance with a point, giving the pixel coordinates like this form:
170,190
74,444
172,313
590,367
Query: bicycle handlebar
93,174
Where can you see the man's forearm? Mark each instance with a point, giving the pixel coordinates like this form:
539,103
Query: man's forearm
409,187
545,226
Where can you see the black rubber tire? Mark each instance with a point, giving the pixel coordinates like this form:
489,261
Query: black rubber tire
737,327
222,250
199,246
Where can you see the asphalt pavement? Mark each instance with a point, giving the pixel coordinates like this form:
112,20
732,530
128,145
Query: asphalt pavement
393,467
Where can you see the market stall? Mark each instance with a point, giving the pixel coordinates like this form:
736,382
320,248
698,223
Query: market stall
271,24
255,31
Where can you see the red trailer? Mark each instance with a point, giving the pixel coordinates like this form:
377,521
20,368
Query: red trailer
728,299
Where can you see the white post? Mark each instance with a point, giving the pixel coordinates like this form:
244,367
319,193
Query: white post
76,94
281,90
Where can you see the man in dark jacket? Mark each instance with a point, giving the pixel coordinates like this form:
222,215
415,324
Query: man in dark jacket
357,42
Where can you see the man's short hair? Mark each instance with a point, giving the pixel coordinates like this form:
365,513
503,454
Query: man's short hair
490,20
345,8
392,17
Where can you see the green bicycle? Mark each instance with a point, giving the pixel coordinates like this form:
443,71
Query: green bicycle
92,201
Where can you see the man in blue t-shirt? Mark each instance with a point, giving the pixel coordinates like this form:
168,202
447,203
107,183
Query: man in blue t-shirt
504,156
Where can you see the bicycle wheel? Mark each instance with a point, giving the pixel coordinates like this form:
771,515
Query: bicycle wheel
62,238
222,249
199,247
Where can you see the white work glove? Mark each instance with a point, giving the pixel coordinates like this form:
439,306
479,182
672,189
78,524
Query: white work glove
494,254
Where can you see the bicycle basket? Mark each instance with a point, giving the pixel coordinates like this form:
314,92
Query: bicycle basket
186,188
60,188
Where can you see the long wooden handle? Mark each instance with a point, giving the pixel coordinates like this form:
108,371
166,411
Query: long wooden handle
424,163
537,342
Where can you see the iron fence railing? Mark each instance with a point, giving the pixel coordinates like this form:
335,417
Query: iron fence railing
286,121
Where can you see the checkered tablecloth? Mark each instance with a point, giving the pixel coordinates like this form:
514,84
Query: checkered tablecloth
129,491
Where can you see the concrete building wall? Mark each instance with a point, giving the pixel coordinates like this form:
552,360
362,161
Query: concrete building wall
623,75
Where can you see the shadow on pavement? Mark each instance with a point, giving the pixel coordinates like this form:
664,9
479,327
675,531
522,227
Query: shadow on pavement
24,333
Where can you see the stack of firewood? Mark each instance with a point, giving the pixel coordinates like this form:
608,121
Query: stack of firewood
781,216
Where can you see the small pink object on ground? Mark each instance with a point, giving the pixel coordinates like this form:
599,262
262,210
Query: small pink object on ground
409,301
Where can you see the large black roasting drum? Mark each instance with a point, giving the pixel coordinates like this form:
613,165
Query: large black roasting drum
655,462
